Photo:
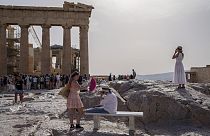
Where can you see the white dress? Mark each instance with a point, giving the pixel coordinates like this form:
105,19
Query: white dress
179,72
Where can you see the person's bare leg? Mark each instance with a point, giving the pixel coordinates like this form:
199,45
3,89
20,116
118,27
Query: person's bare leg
71,115
79,115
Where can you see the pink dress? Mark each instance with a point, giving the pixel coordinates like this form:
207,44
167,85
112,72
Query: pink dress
74,100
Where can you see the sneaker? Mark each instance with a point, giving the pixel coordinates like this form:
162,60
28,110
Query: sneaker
78,126
72,126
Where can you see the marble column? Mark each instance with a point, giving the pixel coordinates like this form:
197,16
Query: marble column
24,50
67,50
45,51
3,50
84,57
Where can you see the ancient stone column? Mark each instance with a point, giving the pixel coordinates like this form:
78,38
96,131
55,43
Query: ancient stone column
84,57
67,50
45,51
24,50
3,50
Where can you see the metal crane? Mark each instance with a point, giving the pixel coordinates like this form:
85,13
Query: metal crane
35,36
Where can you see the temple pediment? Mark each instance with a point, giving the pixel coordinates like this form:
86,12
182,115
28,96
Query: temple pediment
80,6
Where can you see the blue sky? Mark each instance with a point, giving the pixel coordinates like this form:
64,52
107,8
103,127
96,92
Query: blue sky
139,34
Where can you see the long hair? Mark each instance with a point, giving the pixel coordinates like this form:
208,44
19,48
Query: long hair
181,51
72,77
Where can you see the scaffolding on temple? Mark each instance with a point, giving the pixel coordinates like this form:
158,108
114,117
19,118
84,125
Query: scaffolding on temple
13,52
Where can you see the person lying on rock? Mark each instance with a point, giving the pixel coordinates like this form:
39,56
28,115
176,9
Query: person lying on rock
108,104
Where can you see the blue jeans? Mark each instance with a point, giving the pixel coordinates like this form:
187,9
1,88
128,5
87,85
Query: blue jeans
96,110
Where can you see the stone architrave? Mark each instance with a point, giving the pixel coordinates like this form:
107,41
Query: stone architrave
84,57
24,50
3,50
67,50
45,51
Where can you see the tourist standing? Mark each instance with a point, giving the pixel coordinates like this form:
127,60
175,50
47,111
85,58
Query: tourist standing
28,82
42,82
19,89
74,103
5,81
51,81
179,72
114,78
110,77
35,82
58,77
134,74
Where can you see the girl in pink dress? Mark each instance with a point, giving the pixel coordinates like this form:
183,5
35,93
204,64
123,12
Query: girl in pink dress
74,103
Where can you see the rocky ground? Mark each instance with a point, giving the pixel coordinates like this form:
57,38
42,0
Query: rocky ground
167,111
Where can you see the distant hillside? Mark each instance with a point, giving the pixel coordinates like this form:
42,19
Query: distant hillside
162,76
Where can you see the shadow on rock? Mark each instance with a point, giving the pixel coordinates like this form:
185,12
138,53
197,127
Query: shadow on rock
81,132
22,125
184,93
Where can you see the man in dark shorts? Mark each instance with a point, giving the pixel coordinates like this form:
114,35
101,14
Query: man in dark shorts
19,89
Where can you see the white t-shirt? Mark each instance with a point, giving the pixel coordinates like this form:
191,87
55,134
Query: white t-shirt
58,77
34,79
110,103
28,79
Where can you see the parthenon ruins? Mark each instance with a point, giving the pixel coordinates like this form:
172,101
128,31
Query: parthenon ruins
68,16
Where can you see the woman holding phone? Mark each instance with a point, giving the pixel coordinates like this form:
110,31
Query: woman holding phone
179,72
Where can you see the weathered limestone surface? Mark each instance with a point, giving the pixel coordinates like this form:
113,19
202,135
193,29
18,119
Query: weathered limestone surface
75,14
161,102
202,74
3,50
45,51
84,57
167,111
24,50
67,50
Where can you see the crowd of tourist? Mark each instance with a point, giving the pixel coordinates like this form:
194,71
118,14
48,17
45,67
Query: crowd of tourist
35,82
122,77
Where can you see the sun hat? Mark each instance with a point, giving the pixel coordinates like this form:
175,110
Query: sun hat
179,47
104,87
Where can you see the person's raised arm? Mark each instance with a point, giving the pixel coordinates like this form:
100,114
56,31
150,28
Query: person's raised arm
175,54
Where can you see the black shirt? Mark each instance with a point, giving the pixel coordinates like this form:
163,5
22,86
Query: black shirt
19,85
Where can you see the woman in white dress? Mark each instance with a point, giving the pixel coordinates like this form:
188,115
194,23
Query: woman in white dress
179,72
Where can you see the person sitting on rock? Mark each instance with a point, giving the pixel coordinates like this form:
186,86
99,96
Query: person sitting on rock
108,104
